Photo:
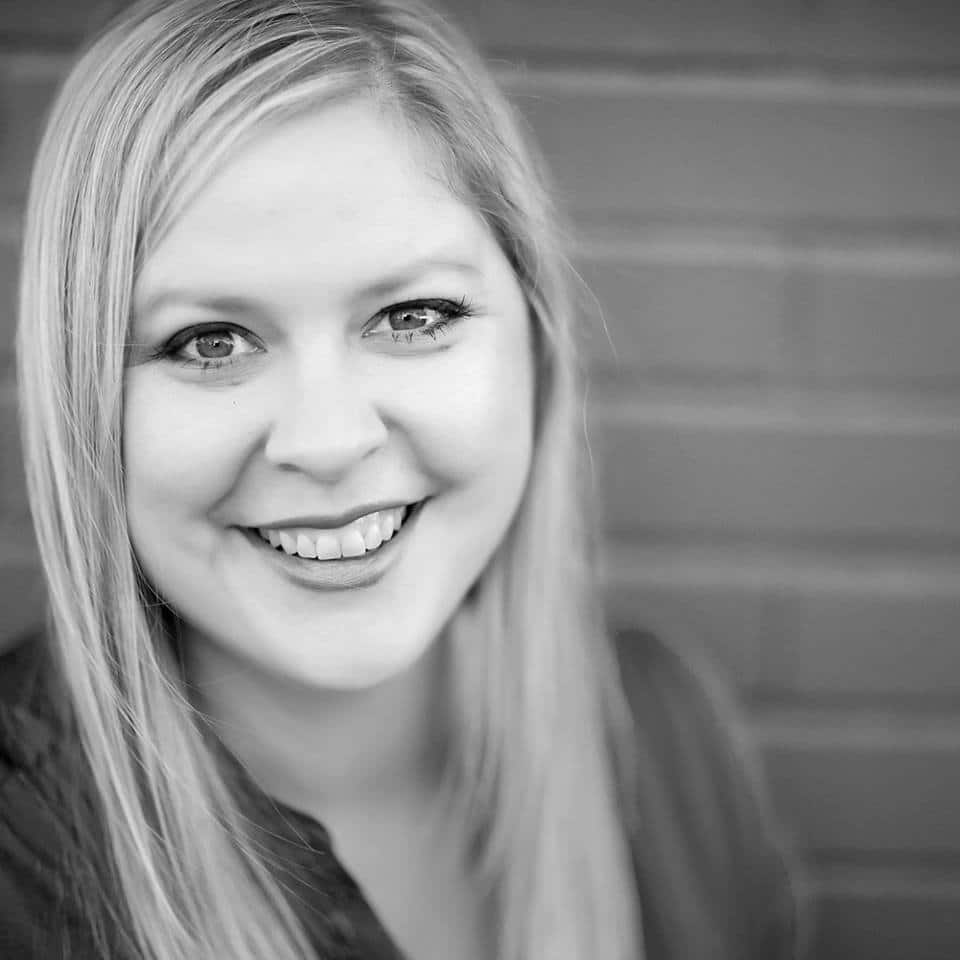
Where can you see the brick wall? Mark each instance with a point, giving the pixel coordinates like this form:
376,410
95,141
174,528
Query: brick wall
767,206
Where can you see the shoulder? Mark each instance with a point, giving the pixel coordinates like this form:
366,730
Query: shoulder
684,724
43,814
27,717
682,709
711,865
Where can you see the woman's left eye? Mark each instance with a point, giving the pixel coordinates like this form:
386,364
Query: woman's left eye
417,319
210,346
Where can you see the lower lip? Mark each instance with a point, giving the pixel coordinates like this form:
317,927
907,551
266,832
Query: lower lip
343,574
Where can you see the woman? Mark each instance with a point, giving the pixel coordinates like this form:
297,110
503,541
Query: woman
325,675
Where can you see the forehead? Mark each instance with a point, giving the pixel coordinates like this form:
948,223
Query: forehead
328,194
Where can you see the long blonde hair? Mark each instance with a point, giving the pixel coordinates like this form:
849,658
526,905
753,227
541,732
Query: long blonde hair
149,110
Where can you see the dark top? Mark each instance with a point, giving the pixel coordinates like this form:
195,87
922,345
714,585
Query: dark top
712,886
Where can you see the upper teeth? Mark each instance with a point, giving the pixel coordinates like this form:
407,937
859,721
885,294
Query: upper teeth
354,540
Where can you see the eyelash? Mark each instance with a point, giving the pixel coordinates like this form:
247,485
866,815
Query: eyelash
180,339
450,311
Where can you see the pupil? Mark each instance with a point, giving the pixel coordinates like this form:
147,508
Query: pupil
212,346
408,319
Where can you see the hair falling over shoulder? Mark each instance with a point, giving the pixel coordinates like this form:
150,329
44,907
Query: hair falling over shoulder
152,106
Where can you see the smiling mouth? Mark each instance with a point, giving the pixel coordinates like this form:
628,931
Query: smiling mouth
361,537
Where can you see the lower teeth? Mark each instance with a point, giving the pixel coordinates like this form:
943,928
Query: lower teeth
279,549
356,556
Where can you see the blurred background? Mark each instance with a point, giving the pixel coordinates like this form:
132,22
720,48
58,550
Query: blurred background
765,197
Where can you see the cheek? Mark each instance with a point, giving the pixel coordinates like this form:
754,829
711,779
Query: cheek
180,457
475,412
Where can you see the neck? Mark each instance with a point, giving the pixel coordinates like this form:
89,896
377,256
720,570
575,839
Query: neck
319,750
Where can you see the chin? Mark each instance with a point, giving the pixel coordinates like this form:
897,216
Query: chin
353,662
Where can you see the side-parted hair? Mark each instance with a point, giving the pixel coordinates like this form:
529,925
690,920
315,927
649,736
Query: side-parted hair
148,113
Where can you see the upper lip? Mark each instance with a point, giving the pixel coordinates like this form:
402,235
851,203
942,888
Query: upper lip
330,520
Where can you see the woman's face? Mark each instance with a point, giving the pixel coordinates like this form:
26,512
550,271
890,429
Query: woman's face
329,350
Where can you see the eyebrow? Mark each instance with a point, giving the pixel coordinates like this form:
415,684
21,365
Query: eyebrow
228,303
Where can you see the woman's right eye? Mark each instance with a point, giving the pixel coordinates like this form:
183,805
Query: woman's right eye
210,346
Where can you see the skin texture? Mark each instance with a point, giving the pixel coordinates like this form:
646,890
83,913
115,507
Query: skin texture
333,700
310,230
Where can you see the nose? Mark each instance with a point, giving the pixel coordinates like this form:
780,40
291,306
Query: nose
326,422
